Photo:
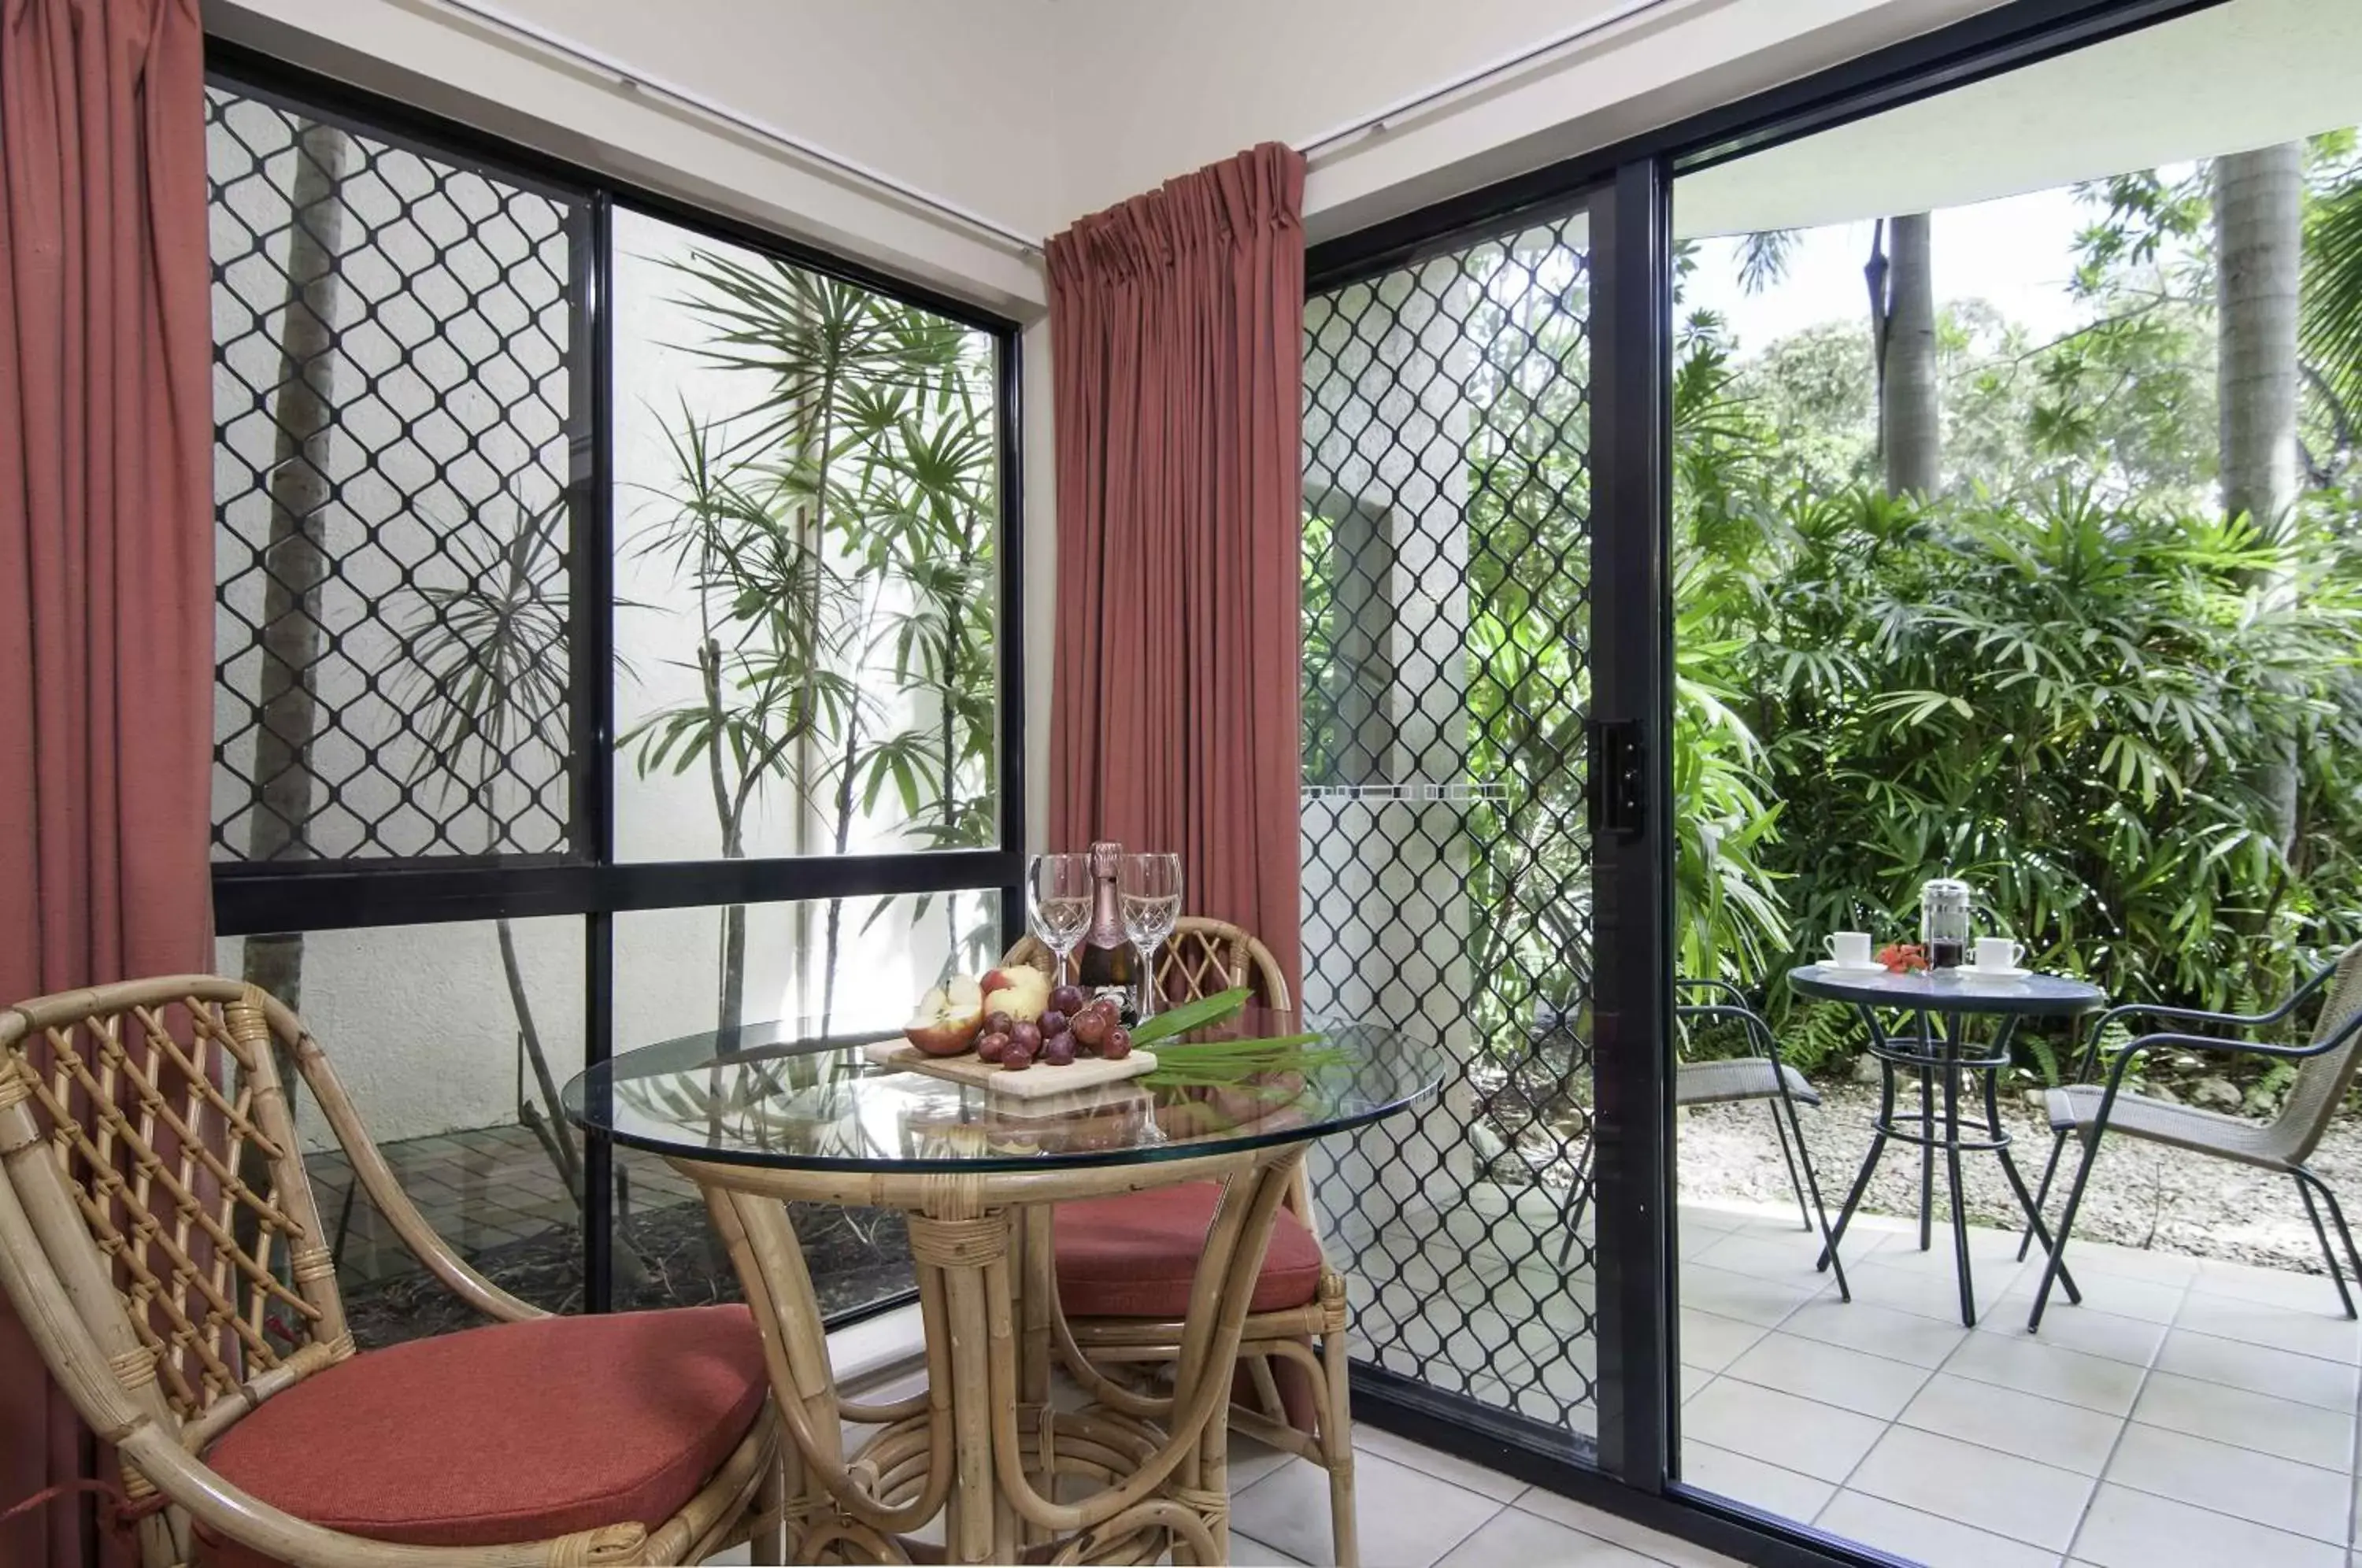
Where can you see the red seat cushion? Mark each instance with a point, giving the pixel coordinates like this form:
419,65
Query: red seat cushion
1135,1255
519,1432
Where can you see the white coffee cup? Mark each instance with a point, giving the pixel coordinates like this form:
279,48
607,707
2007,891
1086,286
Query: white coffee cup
1849,949
1997,953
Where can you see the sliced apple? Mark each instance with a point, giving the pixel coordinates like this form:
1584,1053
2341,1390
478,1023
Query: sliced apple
948,1017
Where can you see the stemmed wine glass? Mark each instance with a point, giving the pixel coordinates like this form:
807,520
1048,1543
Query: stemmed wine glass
1058,903
1148,892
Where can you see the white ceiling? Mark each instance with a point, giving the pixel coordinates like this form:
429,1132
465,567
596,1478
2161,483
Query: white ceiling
2241,75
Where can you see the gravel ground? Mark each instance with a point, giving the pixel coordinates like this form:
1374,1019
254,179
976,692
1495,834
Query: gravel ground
2141,1195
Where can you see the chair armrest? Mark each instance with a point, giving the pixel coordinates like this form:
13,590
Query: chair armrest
1737,998
378,1179
2296,998
1761,1040
2124,1055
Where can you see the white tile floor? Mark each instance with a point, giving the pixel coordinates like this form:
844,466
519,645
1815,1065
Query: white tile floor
1423,1510
2189,1413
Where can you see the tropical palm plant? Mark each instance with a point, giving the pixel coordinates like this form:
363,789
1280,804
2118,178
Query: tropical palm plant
837,533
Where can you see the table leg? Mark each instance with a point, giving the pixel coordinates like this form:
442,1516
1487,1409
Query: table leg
2035,1226
1952,1172
1927,1142
1876,1146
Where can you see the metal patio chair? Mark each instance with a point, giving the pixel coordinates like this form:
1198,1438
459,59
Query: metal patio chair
1759,1074
2327,1063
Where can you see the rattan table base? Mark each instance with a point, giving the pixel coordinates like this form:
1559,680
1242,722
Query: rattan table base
1130,1476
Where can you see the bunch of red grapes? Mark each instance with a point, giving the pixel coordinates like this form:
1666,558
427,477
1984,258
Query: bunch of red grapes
1072,1026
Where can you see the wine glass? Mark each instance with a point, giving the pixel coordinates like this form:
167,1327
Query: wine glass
1058,904
1148,892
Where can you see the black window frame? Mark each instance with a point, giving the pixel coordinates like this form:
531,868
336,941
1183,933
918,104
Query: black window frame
585,879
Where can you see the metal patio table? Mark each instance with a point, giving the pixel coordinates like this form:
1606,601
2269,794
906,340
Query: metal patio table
774,1114
1936,1049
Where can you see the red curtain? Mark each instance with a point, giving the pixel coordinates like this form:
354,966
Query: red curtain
106,561
1176,325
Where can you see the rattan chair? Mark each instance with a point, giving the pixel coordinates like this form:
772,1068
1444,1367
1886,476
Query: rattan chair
1280,1340
2325,1072
160,1238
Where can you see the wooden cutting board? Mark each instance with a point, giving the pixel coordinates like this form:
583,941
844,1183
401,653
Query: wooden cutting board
1036,1082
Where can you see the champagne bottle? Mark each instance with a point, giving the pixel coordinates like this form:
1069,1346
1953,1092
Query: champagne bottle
1106,963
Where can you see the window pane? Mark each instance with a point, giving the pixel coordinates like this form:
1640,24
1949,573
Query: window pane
434,1031
808,513
391,344
675,972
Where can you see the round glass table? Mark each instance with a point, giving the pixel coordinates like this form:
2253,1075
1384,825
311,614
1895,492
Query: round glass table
1936,1049
774,1112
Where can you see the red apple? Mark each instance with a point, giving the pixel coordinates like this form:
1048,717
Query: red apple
947,1019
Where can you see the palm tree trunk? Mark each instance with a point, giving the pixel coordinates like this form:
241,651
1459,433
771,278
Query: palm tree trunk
295,563
1910,417
2258,251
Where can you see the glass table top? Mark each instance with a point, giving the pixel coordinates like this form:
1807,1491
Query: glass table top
782,1094
1950,990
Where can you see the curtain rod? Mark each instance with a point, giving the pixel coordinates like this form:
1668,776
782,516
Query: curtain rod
1616,16
631,79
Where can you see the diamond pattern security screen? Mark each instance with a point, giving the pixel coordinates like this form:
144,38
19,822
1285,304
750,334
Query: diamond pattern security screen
394,383
1447,868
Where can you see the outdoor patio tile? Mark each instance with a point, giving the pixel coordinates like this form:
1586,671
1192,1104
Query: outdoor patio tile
1248,1553
1990,1247
1930,1292
2271,1286
1925,1537
1713,1341
1740,1296
1428,1462
2150,1301
2030,1366
2257,1487
1869,1385
1816,1438
2134,1341
1697,1217
2313,1334
2245,1419
1407,1520
1881,1330
1745,1479
1597,1522
2260,1368
2135,1263
1786,1257
1692,1379
2127,1529
1978,1486
1515,1536
2045,1430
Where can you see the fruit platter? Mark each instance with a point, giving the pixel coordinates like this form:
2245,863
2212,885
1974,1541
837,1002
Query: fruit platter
1014,1033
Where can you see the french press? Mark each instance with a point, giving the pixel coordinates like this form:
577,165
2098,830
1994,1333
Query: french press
1944,922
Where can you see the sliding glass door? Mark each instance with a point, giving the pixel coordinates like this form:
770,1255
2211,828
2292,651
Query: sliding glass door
1454,733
